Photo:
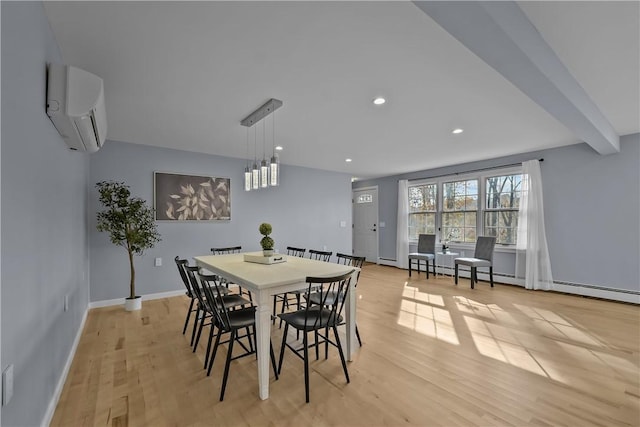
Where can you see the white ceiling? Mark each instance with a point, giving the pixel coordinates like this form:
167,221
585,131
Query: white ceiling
182,75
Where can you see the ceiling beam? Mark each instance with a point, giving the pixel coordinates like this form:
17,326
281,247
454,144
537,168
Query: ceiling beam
501,35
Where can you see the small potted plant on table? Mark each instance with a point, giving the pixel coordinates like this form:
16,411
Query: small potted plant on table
266,242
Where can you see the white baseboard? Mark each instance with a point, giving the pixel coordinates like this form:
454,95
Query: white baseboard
51,409
120,301
387,261
567,288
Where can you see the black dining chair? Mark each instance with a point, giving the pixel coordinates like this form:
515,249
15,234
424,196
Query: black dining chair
231,301
426,252
316,297
228,250
284,298
197,304
193,307
317,318
231,322
482,257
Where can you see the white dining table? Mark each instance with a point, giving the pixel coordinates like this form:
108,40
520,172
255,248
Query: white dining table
266,280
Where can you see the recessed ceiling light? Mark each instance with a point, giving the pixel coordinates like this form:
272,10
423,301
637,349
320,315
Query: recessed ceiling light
379,100
279,147
348,160
457,131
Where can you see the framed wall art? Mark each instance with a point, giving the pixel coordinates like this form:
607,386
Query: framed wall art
179,197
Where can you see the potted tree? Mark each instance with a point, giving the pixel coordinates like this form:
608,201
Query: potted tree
266,242
129,222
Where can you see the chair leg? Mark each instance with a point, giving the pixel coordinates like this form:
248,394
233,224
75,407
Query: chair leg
434,267
427,261
273,360
306,364
316,342
473,275
215,350
284,344
409,267
206,353
195,326
326,343
195,346
273,317
358,336
226,366
456,274
491,275
344,362
186,322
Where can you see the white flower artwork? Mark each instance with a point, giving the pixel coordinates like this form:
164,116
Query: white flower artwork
191,197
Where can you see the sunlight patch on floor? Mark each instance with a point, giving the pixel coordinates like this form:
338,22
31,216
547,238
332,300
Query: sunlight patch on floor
508,352
409,292
487,311
427,320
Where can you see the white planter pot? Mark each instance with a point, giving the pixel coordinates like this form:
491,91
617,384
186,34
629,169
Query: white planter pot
133,304
267,252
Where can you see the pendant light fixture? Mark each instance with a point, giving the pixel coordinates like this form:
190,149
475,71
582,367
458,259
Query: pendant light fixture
266,173
274,166
247,172
255,171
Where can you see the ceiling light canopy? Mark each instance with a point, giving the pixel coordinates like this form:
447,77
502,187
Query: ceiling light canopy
379,100
348,160
457,131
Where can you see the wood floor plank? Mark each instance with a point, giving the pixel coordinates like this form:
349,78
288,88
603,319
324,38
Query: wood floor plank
433,354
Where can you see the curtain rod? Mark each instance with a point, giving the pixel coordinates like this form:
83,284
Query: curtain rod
472,170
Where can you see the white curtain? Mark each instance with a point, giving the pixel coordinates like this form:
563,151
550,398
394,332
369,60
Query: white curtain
402,232
532,255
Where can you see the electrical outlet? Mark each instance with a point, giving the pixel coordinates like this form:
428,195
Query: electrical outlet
158,262
343,224
7,385
324,248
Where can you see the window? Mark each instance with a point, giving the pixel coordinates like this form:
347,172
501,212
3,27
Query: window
501,207
365,198
459,210
422,210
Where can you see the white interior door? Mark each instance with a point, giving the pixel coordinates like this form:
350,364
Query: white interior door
365,223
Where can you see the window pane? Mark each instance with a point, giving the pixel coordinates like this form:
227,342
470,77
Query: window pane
491,220
472,187
470,219
503,191
422,198
503,225
470,234
471,203
421,223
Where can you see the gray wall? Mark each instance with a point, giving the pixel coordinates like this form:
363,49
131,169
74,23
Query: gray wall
305,211
44,239
592,211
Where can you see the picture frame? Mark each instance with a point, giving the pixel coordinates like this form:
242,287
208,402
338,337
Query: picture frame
181,197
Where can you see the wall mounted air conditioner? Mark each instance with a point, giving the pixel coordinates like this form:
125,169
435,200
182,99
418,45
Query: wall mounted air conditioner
75,105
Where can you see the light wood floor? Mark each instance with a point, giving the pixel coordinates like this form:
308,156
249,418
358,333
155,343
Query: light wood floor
433,354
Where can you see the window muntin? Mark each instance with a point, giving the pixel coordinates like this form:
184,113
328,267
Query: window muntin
459,206
502,201
423,205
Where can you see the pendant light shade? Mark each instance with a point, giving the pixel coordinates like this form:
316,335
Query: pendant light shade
247,179
266,173
274,171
